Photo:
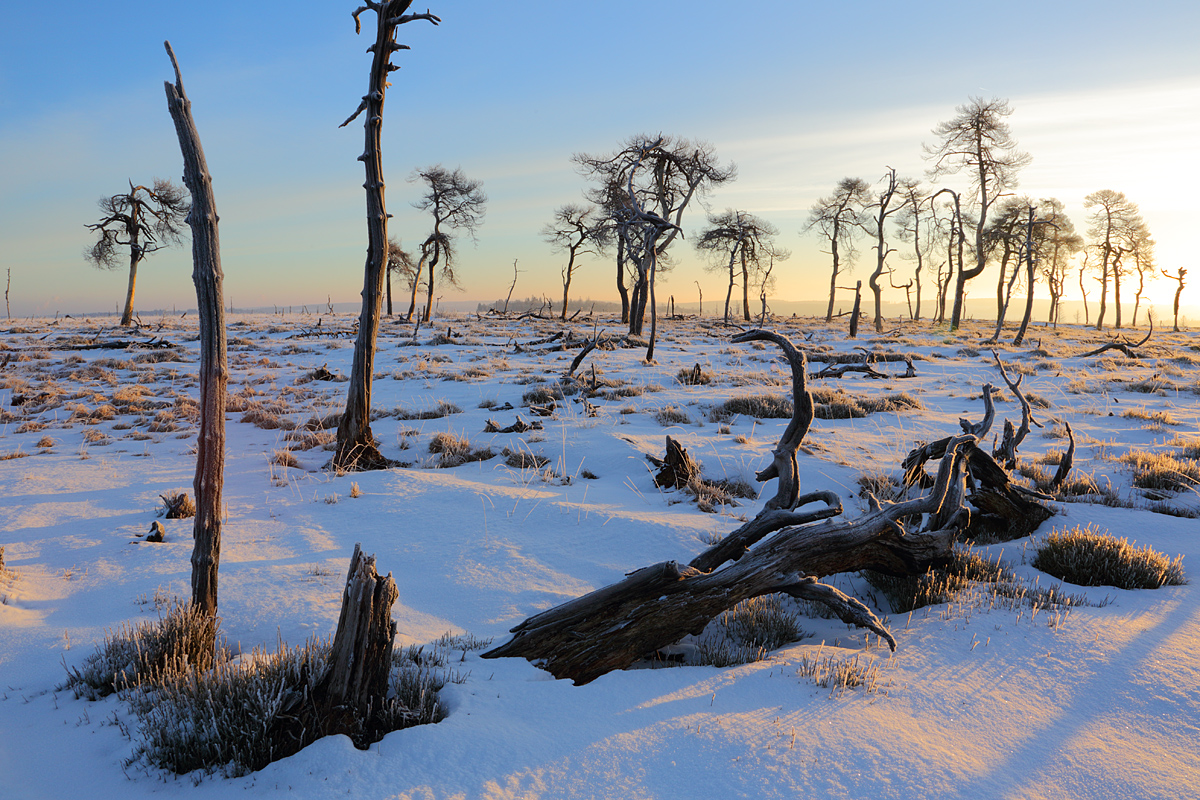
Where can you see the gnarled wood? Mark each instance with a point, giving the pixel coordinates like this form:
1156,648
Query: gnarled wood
781,550
1007,451
654,607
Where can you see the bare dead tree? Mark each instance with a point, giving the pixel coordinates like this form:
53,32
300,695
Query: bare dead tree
1003,234
916,228
144,219
1178,278
511,286
356,447
979,140
955,242
646,184
214,369
1061,245
399,262
1142,254
1114,224
736,238
837,218
456,203
876,214
577,230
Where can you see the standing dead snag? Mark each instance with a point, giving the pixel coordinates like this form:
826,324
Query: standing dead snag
351,697
214,369
614,627
356,447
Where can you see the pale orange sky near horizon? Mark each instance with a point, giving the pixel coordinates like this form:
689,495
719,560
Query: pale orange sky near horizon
289,191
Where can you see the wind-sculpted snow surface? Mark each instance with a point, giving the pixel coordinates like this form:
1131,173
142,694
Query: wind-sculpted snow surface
985,697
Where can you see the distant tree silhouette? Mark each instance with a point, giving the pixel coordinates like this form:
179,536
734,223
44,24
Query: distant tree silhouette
980,141
456,203
576,230
916,226
1178,278
1115,225
646,186
400,262
837,218
1060,245
875,217
739,242
142,219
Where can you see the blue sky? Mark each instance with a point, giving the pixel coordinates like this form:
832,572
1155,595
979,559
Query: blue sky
797,95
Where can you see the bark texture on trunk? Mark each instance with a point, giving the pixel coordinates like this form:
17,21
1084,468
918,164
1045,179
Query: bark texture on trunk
214,369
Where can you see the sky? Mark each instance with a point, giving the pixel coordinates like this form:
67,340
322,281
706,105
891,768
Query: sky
797,95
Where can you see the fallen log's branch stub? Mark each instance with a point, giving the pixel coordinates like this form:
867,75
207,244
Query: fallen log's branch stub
1127,348
769,520
1007,451
1065,464
783,458
914,463
980,429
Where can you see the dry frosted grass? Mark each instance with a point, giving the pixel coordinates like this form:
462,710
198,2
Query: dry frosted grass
1086,557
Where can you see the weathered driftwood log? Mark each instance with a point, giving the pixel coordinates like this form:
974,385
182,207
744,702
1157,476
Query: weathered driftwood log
914,462
654,607
1005,510
209,480
1128,348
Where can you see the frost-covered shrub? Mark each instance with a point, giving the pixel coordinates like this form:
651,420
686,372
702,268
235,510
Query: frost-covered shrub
182,640
1086,557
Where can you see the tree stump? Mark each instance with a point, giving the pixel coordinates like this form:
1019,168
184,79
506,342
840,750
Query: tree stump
676,469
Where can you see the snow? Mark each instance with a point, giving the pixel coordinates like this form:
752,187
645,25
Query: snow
977,702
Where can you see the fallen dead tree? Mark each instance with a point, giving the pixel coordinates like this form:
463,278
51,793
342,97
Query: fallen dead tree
1128,348
783,549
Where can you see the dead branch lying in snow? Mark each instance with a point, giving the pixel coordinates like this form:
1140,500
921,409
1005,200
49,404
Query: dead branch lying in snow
784,549
1128,348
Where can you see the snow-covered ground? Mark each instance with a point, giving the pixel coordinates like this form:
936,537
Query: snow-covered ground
977,702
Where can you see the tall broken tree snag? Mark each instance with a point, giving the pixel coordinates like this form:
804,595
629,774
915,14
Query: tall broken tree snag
361,658
783,549
214,368
351,696
356,447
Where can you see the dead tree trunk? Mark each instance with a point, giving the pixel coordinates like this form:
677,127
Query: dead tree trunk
361,657
857,309
654,607
214,369
356,449
351,696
